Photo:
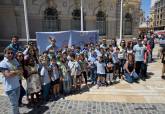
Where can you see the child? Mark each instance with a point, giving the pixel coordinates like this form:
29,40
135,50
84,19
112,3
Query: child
75,72
92,66
55,76
116,62
83,63
100,71
66,77
33,81
45,78
109,68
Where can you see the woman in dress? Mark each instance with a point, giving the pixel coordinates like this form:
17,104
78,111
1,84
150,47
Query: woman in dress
66,77
33,81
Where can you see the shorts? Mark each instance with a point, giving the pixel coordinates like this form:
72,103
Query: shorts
57,81
101,75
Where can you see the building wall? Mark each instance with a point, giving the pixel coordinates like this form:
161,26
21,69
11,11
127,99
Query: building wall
159,15
133,8
8,24
12,15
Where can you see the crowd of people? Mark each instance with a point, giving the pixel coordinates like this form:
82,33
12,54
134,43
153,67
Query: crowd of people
63,71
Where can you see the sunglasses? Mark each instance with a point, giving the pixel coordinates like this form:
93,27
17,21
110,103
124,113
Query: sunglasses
10,53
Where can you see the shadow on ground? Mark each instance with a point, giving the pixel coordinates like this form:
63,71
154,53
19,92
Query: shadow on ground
38,110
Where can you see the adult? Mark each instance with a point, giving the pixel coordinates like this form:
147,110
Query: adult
134,42
20,59
31,52
163,62
152,45
130,74
122,55
104,43
15,45
114,44
139,50
9,68
52,48
129,48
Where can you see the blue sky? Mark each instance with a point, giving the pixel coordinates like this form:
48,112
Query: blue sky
145,6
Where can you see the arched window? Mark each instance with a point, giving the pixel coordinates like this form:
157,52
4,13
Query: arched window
128,24
101,22
51,21
76,18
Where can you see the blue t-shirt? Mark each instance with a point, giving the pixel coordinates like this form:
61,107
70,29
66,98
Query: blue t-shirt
115,57
55,48
139,52
9,83
15,47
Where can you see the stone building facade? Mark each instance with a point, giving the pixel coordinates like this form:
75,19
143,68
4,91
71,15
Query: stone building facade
62,15
159,15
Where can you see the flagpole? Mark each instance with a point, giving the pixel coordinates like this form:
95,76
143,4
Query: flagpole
121,20
26,21
82,21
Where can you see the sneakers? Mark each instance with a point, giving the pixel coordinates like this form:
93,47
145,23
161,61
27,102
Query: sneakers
98,86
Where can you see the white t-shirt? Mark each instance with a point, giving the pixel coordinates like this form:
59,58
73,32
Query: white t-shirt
56,74
74,67
139,52
100,67
98,52
45,76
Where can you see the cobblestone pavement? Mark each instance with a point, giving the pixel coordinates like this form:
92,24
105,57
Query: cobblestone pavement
85,107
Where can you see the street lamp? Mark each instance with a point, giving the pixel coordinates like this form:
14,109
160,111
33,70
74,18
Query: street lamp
148,22
82,21
26,21
121,19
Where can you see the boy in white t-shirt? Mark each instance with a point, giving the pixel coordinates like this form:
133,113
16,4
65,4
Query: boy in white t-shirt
101,65
75,69
55,77
45,78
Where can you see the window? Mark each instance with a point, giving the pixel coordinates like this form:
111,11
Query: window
128,24
160,22
18,2
101,22
51,21
76,19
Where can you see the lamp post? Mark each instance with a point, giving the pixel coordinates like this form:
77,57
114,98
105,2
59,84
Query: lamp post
82,21
26,21
121,19
148,22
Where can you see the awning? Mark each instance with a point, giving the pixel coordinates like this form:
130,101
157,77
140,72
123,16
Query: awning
160,32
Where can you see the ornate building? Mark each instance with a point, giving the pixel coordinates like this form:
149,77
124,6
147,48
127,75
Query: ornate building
61,15
159,15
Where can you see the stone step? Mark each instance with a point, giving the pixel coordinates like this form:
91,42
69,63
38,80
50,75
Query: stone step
126,92
117,98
